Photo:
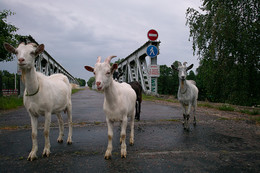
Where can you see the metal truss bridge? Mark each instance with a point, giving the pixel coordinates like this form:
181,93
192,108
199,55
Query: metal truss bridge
138,66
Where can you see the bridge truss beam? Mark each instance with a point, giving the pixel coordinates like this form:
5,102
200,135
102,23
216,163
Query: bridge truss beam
135,68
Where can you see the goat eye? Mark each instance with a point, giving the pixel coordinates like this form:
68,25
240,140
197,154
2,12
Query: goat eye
94,73
108,72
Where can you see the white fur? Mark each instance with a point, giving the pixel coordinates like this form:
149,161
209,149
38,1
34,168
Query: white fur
187,93
119,103
53,96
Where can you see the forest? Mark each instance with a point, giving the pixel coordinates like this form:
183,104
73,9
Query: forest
226,37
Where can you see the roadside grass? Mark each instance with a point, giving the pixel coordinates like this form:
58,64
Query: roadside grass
219,106
256,119
12,102
73,91
226,107
153,98
207,105
253,112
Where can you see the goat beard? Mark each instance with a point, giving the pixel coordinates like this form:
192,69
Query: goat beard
182,84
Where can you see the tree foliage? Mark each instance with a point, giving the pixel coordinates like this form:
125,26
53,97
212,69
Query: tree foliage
8,80
7,34
168,81
226,37
90,82
82,82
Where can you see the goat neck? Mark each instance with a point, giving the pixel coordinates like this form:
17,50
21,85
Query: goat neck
183,86
30,81
110,92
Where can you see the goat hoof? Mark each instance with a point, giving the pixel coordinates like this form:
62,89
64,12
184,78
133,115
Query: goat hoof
123,154
32,157
60,141
46,153
131,142
187,129
108,155
69,141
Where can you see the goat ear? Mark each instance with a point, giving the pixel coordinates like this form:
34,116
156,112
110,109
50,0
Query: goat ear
114,67
9,48
174,68
39,49
88,68
189,67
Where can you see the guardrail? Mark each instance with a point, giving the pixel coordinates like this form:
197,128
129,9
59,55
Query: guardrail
10,92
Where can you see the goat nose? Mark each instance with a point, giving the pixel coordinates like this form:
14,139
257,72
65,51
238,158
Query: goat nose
21,60
98,83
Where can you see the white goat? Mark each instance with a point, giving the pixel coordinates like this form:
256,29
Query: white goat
43,95
119,102
187,93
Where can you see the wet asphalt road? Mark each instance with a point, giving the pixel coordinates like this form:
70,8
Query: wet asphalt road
161,145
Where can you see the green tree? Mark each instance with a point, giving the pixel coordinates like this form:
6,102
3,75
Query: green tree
167,81
90,82
226,38
82,82
7,34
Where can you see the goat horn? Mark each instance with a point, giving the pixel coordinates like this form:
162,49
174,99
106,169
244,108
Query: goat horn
185,63
99,59
179,64
108,59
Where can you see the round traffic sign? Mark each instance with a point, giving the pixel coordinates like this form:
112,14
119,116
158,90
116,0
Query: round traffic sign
152,51
152,35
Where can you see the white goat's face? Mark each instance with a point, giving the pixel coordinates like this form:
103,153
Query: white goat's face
182,70
103,72
103,75
25,53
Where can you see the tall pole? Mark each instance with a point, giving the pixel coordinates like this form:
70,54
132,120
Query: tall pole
15,81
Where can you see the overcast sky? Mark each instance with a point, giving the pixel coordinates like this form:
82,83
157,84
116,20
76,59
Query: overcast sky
76,32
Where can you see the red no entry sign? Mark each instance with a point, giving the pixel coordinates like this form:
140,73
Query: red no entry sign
152,35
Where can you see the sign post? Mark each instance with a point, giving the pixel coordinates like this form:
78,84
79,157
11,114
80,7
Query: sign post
154,69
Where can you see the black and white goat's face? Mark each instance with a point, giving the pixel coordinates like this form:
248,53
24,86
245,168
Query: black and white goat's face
103,72
25,53
182,70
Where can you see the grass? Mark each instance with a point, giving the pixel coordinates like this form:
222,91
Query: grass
76,90
226,107
207,105
153,98
253,112
11,102
256,119
223,107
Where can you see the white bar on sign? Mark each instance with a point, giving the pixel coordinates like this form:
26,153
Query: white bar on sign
153,35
